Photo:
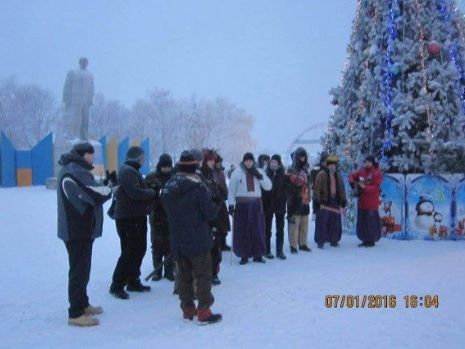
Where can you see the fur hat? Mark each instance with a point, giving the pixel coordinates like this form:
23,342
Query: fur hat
209,154
248,156
371,159
83,148
187,162
277,158
332,159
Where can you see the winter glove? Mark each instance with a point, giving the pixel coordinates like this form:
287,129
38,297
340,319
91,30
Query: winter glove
256,173
111,179
231,210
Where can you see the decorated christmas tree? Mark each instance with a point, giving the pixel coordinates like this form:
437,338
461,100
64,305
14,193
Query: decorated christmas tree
402,94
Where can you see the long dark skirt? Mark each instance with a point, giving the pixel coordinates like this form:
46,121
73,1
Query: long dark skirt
249,229
368,225
328,226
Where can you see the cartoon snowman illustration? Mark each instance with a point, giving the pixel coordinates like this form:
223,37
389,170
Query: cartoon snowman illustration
425,217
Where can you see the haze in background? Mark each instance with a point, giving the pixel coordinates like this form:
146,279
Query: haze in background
277,59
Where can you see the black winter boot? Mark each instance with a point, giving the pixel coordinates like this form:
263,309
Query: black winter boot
119,293
136,286
281,256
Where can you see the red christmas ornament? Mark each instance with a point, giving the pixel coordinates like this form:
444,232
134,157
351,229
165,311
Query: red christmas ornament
434,47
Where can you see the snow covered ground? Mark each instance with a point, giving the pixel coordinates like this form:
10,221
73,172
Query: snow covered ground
277,305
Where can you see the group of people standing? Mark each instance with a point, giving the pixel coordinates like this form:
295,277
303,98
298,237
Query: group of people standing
189,218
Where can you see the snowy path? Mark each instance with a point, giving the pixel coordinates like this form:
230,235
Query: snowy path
277,305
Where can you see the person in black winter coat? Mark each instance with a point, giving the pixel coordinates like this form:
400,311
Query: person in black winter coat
159,229
274,204
223,215
134,201
219,194
80,221
190,209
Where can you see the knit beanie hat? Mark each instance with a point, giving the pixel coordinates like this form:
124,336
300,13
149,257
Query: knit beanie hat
165,161
135,153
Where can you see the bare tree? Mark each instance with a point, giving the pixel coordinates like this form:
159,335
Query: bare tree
29,112
108,118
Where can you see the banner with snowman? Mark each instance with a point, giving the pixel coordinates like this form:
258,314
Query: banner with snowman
458,233
392,207
429,206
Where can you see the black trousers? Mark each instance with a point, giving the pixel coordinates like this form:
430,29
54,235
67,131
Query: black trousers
79,256
161,253
133,238
198,268
279,231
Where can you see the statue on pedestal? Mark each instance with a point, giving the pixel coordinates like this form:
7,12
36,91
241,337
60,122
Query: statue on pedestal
78,95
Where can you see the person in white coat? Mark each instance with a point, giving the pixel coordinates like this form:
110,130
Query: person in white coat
245,205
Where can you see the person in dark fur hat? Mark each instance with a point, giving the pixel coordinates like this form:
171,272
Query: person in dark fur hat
219,195
329,197
190,209
223,215
159,229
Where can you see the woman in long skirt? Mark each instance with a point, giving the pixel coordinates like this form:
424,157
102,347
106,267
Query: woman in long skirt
368,179
329,198
245,204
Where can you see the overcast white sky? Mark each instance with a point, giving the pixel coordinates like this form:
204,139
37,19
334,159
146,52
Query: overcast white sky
277,58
